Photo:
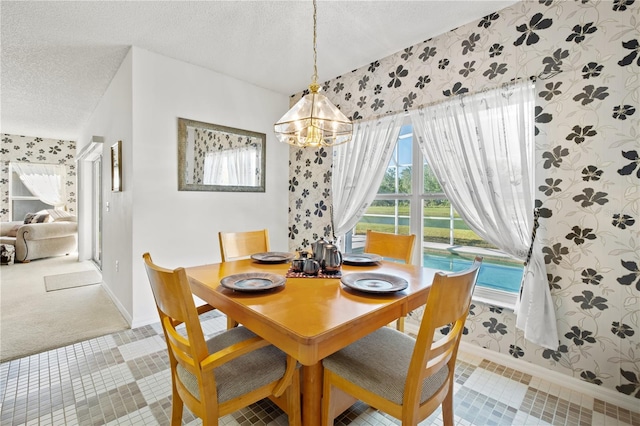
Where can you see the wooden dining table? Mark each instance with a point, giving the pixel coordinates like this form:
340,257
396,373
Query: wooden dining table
311,318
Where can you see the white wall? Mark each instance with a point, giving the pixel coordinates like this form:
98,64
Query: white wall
112,120
178,228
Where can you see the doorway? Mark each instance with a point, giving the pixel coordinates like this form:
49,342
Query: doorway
96,212
90,198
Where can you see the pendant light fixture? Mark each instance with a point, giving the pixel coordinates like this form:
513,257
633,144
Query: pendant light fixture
314,121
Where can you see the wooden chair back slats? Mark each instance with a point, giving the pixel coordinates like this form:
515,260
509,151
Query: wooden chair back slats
237,245
442,347
392,246
180,348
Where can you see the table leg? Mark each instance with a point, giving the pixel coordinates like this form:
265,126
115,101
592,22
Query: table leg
311,394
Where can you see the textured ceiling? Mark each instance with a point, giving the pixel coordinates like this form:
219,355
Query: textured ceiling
58,57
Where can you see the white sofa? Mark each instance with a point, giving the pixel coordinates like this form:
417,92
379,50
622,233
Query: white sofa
39,240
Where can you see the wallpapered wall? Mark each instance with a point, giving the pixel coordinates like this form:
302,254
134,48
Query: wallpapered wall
37,150
588,171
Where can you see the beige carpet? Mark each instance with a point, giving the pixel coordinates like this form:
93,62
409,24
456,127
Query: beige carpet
72,280
33,320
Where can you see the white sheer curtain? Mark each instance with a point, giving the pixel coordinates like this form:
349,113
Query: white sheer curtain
236,166
358,169
481,149
45,181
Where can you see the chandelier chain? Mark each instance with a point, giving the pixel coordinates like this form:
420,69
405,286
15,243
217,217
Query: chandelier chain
315,50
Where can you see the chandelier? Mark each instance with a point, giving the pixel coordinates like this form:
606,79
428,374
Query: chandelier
314,121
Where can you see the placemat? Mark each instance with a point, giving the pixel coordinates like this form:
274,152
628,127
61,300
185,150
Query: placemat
293,274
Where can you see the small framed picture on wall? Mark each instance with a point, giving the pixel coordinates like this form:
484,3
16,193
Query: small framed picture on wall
116,168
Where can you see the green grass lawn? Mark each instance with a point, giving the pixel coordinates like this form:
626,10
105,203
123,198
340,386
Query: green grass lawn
403,210
435,230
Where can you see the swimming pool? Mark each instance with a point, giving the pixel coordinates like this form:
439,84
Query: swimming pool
498,277
492,275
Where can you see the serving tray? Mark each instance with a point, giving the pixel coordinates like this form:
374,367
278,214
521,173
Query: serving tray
297,274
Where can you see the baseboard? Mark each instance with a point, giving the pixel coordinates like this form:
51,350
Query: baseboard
604,394
114,299
145,321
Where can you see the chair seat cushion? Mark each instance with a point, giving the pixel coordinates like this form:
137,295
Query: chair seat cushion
243,374
379,363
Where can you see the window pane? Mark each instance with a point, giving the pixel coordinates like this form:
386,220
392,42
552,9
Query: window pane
385,216
20,208
404,153
447,246
464,236
431,184
388,185
436,221
437,208
496,272
397,179
17,187
405,145
404,181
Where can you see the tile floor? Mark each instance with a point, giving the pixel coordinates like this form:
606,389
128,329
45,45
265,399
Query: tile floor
123,379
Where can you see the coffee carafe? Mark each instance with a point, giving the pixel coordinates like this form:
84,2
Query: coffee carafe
331,259
318,250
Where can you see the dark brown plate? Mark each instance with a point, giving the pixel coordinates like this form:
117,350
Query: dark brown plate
372,282
361,259
273,257
253,281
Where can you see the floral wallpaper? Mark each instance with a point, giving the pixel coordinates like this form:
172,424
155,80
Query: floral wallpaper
36,150
309,197
206,141
586,57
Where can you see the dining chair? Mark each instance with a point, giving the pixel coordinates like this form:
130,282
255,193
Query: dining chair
241,245
391,246
221,375
404,377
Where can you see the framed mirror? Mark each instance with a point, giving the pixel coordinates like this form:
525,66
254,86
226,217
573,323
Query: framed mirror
116,167
219,158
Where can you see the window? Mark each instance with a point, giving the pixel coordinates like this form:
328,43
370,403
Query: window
22,200
410,200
